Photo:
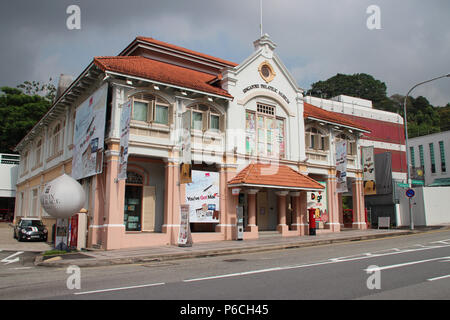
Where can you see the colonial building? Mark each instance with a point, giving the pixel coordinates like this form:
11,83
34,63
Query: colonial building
255,143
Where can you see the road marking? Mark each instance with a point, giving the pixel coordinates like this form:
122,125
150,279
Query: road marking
330,261
403,264
439,278
21,268
7,259
122,288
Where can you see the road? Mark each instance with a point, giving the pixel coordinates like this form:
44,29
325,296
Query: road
404,267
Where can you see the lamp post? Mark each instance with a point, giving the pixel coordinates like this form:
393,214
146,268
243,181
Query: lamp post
406,142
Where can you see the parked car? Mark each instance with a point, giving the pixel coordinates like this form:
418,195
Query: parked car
30,229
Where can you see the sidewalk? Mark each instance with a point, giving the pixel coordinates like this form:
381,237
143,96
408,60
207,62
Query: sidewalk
264,243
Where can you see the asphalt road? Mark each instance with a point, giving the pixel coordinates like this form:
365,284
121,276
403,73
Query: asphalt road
404,267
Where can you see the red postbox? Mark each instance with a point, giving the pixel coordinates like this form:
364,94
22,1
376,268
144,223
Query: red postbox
312,221
73,233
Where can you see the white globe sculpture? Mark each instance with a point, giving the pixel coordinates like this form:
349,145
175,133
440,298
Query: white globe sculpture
63,197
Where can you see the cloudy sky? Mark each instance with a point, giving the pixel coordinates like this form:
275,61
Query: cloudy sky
315,38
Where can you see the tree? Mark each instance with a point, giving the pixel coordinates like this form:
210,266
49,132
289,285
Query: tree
360,85
19,112
444,117
47,90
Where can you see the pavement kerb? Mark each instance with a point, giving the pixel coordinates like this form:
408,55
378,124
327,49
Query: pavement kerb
93,262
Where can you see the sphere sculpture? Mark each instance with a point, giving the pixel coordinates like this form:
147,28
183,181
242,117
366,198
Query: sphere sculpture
63,197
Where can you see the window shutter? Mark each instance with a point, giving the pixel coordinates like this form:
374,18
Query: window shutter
206,120
326,143
307,140
222,123
148,211
151,111
316,141
170,115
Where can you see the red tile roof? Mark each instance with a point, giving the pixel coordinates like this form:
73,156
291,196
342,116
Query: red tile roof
275,175
184,50
161,72
310,111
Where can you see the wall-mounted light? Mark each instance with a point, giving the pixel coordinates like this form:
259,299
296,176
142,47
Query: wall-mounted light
209,99
184,93
155,87
129,82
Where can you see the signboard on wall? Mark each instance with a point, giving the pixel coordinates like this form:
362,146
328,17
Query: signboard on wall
368,162
318,201
89,135
125,119
341,166
203,197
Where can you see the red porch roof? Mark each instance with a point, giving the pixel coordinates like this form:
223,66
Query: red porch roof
273,176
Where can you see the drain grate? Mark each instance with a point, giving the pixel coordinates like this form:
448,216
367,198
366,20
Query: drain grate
234,260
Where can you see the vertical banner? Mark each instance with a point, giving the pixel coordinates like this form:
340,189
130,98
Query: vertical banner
318,201
341,166
203,198
368,162
89,135
124,137
186,152
184,235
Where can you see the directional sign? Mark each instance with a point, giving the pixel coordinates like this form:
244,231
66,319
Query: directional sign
410,193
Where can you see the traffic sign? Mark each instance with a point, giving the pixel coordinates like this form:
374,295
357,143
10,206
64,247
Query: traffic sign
410,193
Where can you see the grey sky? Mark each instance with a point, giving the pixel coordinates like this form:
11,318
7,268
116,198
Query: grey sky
316,38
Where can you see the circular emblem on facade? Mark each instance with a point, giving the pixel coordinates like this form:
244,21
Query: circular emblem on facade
266,71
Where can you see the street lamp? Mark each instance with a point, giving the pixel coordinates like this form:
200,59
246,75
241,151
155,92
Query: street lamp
406,141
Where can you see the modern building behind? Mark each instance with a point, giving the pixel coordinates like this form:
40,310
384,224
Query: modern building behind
9,169
431,154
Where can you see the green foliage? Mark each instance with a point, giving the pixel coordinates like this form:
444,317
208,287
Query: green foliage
19,112
47,90
444,117
358,85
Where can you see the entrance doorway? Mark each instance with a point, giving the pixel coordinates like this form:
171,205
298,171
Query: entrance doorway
262,208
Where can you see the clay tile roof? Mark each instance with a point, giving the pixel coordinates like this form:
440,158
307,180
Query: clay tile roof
161,72
274,176
191,52
310,111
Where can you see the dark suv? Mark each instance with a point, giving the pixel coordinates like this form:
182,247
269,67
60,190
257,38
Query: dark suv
30,229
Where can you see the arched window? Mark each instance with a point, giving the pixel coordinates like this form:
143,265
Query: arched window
351,143
265,132
316,139
150,108
205,117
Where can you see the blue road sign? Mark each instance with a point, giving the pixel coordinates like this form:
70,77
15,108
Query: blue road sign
410,193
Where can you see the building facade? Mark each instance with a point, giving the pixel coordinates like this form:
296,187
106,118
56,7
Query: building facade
254,141
429,153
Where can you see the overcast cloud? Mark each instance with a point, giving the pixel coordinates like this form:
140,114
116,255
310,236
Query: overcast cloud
316,38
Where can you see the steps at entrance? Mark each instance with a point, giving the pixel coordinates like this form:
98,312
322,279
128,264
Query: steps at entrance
269,234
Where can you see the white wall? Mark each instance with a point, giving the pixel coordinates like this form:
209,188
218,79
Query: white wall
431,206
